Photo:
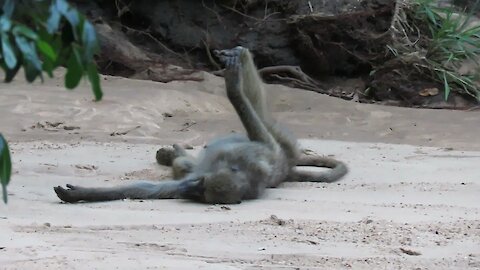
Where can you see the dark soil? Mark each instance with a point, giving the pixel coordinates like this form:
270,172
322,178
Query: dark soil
320,44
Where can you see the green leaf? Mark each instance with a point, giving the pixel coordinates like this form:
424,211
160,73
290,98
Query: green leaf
62,6
5,24
7,52
446,86
31,72
89,38
54,19
430,15
69,35
27,32
10,73
72,17
8,8
29,52
5,166
31,62
94,79
48,67
74,70
46,50
54,42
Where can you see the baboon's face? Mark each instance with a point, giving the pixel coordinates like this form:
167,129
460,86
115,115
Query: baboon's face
224,187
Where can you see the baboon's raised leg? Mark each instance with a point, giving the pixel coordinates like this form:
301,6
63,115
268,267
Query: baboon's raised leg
255,93
235,83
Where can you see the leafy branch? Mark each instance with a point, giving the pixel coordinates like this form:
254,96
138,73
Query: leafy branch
41,36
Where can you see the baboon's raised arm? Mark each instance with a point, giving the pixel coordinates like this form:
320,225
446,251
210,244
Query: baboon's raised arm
229,169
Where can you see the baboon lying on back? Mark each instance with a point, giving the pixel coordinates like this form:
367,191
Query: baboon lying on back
229,169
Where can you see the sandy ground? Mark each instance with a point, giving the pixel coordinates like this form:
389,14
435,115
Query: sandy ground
411,200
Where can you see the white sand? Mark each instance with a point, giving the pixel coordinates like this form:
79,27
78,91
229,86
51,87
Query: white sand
413,185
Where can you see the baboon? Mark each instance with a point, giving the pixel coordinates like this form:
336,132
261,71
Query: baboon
229,169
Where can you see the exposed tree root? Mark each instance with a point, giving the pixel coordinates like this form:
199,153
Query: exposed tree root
116,48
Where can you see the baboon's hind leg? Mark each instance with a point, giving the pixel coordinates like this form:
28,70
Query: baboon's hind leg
182,166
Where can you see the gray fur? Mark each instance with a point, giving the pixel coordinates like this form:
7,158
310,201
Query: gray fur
232,168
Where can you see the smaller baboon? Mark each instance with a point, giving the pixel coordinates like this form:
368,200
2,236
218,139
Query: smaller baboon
229,169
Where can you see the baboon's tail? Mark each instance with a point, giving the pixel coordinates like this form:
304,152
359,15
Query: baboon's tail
338,169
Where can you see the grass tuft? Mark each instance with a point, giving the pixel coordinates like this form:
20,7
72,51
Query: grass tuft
442,39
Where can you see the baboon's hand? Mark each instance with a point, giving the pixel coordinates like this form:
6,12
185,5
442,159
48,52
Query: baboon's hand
69,195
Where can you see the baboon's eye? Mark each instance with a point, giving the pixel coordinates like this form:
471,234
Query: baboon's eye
234,168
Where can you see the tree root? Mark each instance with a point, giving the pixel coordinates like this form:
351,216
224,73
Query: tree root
293,75
118,49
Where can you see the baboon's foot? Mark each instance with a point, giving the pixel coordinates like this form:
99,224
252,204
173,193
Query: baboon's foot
229,56
182,166
70,195
165,156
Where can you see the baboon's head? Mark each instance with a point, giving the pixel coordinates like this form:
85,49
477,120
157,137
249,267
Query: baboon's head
224,186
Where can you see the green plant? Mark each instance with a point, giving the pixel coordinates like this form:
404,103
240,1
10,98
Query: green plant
5,166
443,38
41,36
